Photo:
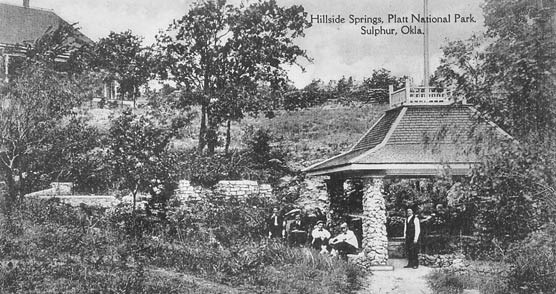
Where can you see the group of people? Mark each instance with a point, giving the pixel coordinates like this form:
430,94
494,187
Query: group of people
319,238
345,242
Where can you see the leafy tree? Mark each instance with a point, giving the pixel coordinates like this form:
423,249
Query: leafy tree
344,85
139,156
33,105
311,95
124,59
68,155
509,73
376,87
222,55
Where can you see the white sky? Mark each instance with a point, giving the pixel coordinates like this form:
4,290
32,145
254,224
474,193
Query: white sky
337,50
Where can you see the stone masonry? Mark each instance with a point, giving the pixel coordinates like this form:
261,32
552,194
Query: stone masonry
187,192
375,239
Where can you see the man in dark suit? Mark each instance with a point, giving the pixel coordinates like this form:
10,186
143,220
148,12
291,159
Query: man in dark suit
411,232
297,234
275,225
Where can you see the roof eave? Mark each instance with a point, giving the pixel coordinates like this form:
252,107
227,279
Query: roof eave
398,169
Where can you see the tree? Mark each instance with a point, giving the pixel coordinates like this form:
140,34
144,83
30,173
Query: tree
376,87
124,59
32,106
509,74
222,55
139,155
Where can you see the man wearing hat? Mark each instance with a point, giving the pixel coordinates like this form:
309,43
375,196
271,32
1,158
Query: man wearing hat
345,243
411,232
320,237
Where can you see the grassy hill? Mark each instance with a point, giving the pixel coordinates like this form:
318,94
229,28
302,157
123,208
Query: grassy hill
317,133
308,135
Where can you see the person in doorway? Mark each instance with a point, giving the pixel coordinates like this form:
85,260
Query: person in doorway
275,224
320,237
345,243
411,232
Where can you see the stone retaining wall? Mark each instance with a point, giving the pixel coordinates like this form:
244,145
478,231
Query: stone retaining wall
187,192
90,200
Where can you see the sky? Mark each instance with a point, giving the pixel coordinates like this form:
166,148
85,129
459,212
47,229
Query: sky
336,49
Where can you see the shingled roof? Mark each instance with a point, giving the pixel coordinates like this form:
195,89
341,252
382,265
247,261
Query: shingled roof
19,25
417,140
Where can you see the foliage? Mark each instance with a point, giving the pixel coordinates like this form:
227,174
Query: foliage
71,154
378,84
445,282
534,261
60,49
216,54
124,59
487,277
56,248
509,72
311,95
507,193
33,105
259,161
139,156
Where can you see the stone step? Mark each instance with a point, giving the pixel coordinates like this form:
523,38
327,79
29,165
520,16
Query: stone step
381,268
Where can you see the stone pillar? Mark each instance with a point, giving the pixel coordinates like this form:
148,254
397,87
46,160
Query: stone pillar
375,239
335,188
6,67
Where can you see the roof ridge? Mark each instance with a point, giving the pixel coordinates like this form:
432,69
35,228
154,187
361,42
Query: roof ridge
384,141
366,133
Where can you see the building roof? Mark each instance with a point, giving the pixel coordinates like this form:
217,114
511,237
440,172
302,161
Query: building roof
19,25
414,141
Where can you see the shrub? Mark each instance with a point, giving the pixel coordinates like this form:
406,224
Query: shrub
445,282
534,262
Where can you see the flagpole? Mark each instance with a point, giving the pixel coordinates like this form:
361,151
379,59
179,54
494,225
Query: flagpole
426,45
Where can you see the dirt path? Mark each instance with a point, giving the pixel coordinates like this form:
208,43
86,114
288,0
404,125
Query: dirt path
400,281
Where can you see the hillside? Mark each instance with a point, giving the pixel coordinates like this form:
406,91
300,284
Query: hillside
308,135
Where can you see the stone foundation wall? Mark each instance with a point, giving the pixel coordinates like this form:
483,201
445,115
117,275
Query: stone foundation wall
187,192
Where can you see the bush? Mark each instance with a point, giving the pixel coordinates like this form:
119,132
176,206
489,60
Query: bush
534,262
445,282
55,248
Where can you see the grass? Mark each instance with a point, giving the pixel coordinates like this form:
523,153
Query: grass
480,275
308,135
48,247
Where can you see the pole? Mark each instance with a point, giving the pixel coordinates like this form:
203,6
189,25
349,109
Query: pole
426,45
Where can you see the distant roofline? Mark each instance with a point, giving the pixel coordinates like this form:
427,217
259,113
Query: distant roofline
31,7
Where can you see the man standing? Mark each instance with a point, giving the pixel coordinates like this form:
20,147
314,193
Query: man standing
275,225
411,232
345,243
297,232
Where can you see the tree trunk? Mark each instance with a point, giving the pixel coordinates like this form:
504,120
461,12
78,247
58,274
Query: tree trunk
228,137
203,128
11,195
212,137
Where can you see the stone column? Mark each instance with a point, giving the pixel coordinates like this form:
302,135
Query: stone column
7,67
375,239
335,188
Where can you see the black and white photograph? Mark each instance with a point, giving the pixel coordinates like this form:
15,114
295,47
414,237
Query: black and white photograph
278,146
